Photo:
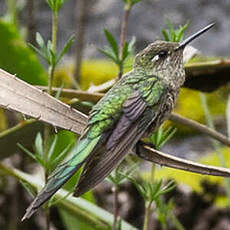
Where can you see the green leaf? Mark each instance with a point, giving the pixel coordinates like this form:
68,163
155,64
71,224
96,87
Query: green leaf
52,147
58,94
112,42
133,2
28,188
40,40
108,53
168,134
65,49
131,45
39,52
125,51
30,154
39,145
181,32
165,35
61,156
55,5
65,139
36,157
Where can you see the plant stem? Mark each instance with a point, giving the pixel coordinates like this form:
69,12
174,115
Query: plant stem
216,144
200,127
115,206
147,214
16,127
12,11
81,10
54,30
228,115
123,36
47,127
31,21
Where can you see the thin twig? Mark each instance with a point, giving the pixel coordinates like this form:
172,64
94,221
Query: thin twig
228,116
147,213
163,159
200,127
216,145
79,94
123,36
81,10
16,127
115,206
31,21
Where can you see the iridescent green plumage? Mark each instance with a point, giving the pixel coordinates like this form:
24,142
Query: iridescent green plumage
140,100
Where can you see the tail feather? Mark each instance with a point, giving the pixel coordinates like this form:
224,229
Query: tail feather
62,174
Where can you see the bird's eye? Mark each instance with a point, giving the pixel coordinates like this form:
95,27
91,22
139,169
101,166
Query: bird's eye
162,53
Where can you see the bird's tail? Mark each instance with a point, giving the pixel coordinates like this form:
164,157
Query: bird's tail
62,174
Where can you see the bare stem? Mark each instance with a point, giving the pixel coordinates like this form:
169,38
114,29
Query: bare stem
200,127
54,30
123,37
47,127
31,21
115,206
11,5
16,127
147,214
81,8
228,115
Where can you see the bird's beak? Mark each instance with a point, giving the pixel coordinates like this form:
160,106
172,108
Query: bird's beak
194,36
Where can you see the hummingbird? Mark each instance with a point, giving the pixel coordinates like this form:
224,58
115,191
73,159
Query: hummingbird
141,100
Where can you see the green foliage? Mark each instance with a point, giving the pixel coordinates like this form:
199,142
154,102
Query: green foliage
60,146
152,191
130,3
122,172
46,50
55,5
165,214
16,57
172,34
161,136
112,51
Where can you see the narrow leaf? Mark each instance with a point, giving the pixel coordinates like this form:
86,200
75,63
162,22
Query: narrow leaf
39,145
39,40
112,42
52,148
65,49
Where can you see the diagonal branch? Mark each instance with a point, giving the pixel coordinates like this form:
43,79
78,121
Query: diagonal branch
200,127
163,159
22,97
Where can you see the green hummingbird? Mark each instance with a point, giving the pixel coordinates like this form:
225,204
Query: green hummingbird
142,99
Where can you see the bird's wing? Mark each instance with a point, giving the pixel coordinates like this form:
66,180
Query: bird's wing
135,118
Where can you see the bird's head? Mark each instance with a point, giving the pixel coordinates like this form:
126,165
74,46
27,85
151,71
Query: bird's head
165,59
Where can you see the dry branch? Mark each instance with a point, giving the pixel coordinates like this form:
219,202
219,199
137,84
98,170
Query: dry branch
22,97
